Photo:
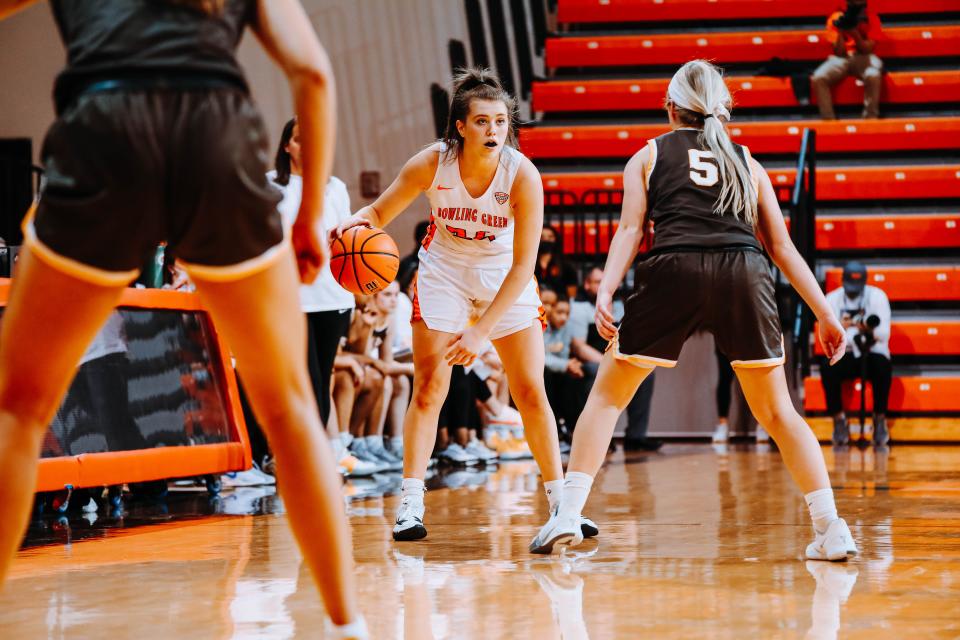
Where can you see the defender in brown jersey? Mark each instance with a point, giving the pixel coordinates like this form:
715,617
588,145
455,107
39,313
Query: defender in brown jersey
714,212
163,143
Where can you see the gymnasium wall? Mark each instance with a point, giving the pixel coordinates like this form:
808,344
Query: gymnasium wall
385,53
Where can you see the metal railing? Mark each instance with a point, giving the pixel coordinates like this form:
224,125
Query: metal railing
803,232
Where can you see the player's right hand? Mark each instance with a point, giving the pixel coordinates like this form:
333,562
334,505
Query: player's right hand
833,338
604,315
353,221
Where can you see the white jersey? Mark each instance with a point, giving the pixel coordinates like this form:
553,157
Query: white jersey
474,232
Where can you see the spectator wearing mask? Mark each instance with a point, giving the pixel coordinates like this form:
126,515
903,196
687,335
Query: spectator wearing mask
854,34
551,269
864,312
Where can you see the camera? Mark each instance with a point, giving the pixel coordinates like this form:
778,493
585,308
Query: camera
849,19
865,339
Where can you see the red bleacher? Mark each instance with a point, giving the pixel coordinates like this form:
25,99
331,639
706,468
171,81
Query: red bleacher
740,46
604,141
917,394
920,337
596,11
899,87
906,182
908,283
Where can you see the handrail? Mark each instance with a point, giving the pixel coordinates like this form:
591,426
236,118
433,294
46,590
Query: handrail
803,232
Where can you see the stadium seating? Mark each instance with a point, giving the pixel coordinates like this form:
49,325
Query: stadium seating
887,190
750,92
593,12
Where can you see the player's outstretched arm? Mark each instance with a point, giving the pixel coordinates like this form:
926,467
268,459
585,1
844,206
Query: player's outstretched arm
772,231
285,32
626,241
415,177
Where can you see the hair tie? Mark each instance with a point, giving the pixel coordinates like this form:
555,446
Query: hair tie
707,115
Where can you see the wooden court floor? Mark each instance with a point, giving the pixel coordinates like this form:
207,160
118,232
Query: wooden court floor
694,544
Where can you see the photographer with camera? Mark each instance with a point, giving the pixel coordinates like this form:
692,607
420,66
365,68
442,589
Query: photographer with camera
864,311
854,33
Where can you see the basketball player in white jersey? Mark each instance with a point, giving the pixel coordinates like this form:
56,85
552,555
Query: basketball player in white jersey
476,278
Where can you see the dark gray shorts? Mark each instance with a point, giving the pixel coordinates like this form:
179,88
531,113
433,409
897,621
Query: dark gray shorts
127,170
728,293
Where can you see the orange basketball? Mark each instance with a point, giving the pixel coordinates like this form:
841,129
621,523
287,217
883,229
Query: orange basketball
364,260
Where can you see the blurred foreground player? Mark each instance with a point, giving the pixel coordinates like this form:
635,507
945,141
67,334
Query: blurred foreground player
712,206
163,143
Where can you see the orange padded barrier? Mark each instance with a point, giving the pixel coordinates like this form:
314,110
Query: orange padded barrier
891,134
571,11
742,46
914,394
933,337
899,87
100,469
908,283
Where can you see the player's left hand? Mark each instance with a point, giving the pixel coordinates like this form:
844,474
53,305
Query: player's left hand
309,247
604,315
464,347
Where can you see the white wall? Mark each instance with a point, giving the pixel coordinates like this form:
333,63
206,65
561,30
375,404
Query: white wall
385,55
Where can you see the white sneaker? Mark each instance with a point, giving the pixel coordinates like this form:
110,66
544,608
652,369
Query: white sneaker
834,544
762,435
409,524
559,530
479,450
354,467
359,449
721,434
250,478
508,417
458,455
588,527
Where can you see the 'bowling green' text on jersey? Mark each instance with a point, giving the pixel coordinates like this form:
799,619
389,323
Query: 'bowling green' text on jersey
475,232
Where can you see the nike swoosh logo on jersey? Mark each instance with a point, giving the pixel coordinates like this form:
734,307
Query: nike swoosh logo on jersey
439,188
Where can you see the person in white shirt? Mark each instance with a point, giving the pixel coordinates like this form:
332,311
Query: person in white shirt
328,306
864,312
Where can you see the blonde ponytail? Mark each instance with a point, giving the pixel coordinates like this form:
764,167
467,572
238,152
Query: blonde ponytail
698,92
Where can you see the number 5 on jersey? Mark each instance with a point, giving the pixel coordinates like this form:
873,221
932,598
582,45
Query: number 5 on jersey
703,171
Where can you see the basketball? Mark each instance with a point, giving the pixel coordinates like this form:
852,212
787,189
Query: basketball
364,260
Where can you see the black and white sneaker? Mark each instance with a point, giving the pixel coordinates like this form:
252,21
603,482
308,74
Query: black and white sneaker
588,527
409,524
559,530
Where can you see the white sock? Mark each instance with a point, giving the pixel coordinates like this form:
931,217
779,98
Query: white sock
396,442
554,491
412,488
374,441
823,510
346,438
576,489
356,630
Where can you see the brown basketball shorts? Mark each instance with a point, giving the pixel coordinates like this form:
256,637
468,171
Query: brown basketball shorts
729,293
127,170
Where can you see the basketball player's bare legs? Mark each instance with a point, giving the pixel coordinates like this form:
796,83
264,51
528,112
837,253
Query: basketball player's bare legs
523,361
769,398
54,316
260,318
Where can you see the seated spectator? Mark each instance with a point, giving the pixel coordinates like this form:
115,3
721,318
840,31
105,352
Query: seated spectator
853,34
864,311
390,324
411,262
551,269
364,408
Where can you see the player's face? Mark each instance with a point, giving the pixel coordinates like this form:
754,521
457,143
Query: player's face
293,147
486,128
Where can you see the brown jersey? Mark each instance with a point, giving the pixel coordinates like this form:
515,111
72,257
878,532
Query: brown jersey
683,187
